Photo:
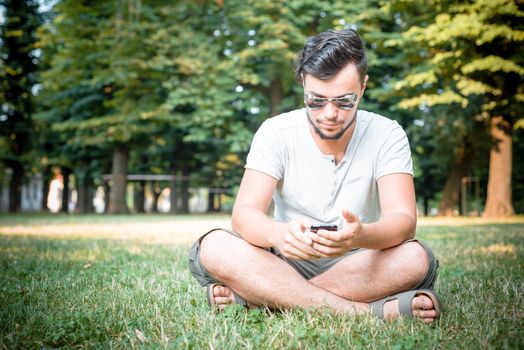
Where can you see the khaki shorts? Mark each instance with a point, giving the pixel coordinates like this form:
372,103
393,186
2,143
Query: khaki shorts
307,268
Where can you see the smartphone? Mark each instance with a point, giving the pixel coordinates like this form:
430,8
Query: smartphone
316,227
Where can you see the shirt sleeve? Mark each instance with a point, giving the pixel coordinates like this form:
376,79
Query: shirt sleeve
265,154
394,156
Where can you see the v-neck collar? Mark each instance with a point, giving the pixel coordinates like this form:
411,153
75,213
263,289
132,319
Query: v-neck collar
361,125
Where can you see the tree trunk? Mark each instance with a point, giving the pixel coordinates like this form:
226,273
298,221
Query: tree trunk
117,199
276,94
184,205
107,191
65,190
219,203
173,195
451,192
90,196
81,197
426,205
85,196
155,191
210,201
81,186
47,176
15,188
498,200
140,195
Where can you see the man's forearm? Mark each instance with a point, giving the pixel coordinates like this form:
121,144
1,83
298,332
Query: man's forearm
388,232
255,226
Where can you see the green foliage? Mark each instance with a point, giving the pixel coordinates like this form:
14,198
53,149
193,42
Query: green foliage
110,84
474,49
458,65
187,83
18,76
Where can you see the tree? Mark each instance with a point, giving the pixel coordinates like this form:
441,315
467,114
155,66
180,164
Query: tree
105,102
470,61
18,62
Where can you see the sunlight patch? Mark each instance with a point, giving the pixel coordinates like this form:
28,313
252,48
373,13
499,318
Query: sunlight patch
435,236
499,249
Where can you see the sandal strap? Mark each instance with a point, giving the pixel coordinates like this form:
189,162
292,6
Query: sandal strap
377,307
405,302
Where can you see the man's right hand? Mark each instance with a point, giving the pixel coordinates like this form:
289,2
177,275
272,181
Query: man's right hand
294,242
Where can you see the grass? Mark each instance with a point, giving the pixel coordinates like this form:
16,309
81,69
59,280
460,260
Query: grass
122,282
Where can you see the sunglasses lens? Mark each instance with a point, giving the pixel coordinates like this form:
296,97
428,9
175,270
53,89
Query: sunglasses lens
315,103
345,104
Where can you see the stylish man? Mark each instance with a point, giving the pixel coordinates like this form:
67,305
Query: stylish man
327,163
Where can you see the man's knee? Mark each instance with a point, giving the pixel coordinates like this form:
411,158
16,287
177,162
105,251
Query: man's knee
422,264
203,254
213,245
415,258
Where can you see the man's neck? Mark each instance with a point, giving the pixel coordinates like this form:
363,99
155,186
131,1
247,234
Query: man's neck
337,148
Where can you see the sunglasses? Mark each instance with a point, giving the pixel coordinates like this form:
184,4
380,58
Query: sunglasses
345,102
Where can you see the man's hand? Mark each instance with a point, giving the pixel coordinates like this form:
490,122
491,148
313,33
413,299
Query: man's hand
295,243
336,243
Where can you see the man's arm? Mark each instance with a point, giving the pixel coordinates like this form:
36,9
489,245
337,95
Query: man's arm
399,213
251,222
249,217
397,224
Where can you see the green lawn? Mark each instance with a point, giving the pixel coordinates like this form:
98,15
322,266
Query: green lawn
103,282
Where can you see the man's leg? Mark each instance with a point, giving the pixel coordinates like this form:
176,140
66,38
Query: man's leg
266,279
262,278
369,275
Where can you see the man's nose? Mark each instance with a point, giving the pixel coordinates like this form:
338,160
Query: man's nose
330,110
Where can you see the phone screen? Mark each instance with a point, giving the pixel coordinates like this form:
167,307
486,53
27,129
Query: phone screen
316,227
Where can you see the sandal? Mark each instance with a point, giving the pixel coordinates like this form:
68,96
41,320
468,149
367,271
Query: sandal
405,300
211,298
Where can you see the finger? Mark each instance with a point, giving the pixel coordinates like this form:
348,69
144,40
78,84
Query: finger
297,248
349,216
297,254
299,232
327,251
329,238
304,223
318,239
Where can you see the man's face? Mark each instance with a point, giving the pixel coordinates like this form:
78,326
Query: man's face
333,118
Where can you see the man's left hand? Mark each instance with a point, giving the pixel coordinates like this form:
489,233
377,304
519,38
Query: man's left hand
336,243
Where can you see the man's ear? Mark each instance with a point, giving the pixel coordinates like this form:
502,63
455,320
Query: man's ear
364,84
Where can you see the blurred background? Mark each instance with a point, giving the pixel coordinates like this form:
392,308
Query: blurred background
132,106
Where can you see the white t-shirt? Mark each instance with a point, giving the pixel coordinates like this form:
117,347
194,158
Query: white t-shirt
310,184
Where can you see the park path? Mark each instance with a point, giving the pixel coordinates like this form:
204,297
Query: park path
165,231
178,230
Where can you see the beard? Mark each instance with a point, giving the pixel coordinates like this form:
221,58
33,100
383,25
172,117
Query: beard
323,136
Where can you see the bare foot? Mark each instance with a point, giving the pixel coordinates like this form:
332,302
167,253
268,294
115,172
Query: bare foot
223,296
422,306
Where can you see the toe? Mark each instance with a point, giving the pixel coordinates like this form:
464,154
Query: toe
422,302
223,300
223,296
221,291
425,313
424,309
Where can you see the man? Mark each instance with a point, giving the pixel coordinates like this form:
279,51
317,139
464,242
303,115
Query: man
328,163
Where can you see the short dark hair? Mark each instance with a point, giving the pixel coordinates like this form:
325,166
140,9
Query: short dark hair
327,53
